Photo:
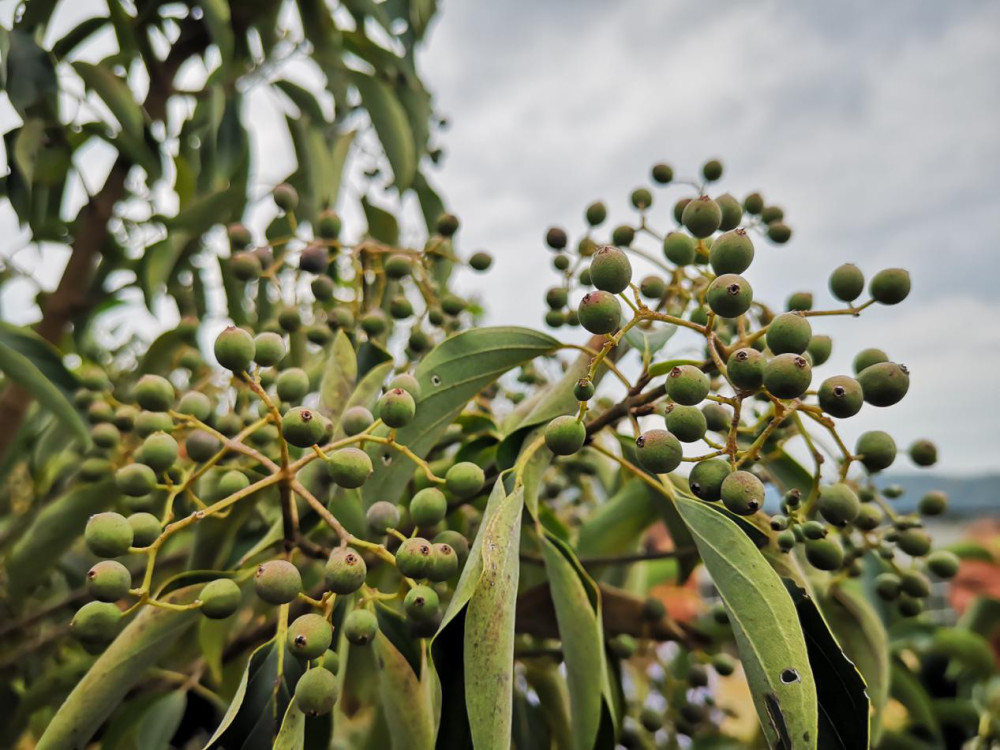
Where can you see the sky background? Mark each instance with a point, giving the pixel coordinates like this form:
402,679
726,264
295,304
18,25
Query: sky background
876,126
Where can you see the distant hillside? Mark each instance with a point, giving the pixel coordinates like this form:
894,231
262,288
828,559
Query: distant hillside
969,496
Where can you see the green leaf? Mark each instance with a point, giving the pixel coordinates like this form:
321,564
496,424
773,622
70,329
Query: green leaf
382,225
407,698
431,205
765,624
392,125
616,525
157,264
338,380
648,343
159,356
29,77
160,721
906,688
77,35
117,671
449,376
217,19
116,94
292,735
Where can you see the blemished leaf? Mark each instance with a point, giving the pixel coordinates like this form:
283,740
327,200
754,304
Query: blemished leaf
840,689
450,376
160,721
116,94
765,624
408,699
339,376
392,125
382,225
292,734
120,668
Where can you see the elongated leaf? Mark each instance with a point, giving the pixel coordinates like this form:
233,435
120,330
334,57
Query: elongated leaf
770,640
116,94
392,125
339,376
905,687
382,225
410,711
292,735
160,721
119,669
55,529
616,526
449,376
218,22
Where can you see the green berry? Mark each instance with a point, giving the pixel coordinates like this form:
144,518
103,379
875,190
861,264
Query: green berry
652,287
838,504
610,270
407,382
653,609
732,212
154,393
641,198
813,530
480,261
96,623
345,571
706,479
702,216
286,197
458,543
876,450
374,323
786,540
328,224
819,349
584,389
658,451
679,248
421,603
915,584
465,479
923,453
679,207
159,452
277,582
686,423
742,493
292,385
396,408
356,420
231,482
108,581
428,507
146,529
799,301
195,404
868,357
95,469
443,562
360,627
309,636
413,558
108,534
349,467
651,718
847,282
105,435
235,349
220,598
687,385
148,422
746,369
302,427
789,333
556,297
933,503
778,232
890,286
398,267
382,516
729,295
600,312
556,238
885,383
245,265
596,213
623,645
622,235
943,564
663,174
887,586
331,661
565,435
753,203
723,664
731,252
869,517
711,170
316,692
314,259
200,446
840,396
824,554
914,542
787,375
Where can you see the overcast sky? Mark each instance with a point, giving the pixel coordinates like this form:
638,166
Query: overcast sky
875,125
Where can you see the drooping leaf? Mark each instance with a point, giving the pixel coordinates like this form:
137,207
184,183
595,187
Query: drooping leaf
217,18
160,721
407,698
339,376
382,225
392,125
116,94
770,640
292,734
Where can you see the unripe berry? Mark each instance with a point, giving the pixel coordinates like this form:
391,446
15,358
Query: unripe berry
302,427
200,446
277,582
658,451
464,479
687,385
933,503
746,369
316,692
838,504
885,383
421,603
702,216
711,170
331,661
309,636
480,261
195,404
622,235
679,248
824,554
742,493
869,517
915,584
788,333
428,507
95,469
356,420
246,266
876,449
158,451
328,224
799,301
596,213
600,312
96,623
234,349
890,286
819,349
753,203
382,516
349,467
651,719
108,581
610,270
146,529
732,212
314,259
653,609
292,384
154,393
396,408
787,375
731,252
779,233
868,357
887,586
943,564
786,540
679,207
407,382
914,542
641,198
148,422
652,287
556,238
840,396
220,598
705,479
269,348
556,297
663,174
286,197
686,423
729,295
360,627
108,534
847,282
923,453
565,435
413,557
443,563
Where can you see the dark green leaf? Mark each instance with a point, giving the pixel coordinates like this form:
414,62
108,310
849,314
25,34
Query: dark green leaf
392,125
